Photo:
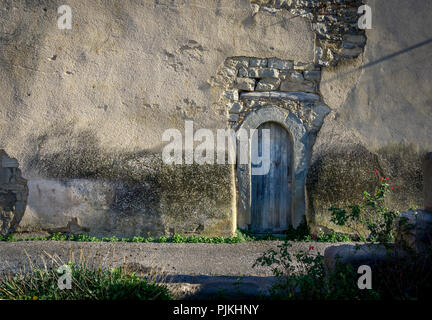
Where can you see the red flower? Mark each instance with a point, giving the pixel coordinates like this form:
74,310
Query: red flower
387,178
392,188
376,171
382,178
311,248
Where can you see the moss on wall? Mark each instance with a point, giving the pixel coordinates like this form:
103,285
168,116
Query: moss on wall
339,178
403,165
184,199
196,198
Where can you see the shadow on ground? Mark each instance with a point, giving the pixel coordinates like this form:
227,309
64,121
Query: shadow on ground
203,287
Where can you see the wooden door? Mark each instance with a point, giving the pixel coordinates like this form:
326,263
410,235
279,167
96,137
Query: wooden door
271,193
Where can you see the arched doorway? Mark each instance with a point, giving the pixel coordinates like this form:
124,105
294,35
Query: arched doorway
271,192
296,130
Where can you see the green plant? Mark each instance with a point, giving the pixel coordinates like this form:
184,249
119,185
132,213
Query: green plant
371,213
301,233
302,276
87,284
174,239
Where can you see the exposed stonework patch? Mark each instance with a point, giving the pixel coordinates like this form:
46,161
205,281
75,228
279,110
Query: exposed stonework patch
251,83
259,90
13,194
427,171
333,21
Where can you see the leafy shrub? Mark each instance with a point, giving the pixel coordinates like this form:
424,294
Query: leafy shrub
402,275
302,276
372,213
87,284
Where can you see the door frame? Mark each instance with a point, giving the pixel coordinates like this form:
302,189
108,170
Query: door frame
299,138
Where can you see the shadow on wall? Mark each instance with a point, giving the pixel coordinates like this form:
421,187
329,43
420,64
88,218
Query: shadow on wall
384,58
339,178
85,189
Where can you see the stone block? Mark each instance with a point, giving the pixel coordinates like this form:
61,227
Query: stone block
320,112
256,62
233,117
269,84
351,52
354,38
237,62
303,66
235,107
416,231
229,72
356,255
296,76
263,73
7,201
253,104
245,84
348,45
295,86
243,72
231,94
5,175
295,96
280,64
427,181
312,75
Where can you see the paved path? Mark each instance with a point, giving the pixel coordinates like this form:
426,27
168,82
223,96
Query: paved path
193,265
174,258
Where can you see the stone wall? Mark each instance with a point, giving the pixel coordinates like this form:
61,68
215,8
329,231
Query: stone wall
90,104
13,194
427,169
334,22
381,114
252,83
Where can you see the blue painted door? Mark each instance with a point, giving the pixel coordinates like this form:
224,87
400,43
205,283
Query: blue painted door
271,192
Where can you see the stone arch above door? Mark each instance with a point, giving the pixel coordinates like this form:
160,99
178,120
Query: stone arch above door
299,135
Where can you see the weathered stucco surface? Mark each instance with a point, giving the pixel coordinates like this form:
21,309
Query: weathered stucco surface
83,110
381,113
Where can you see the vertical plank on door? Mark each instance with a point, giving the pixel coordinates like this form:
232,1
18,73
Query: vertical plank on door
271,193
